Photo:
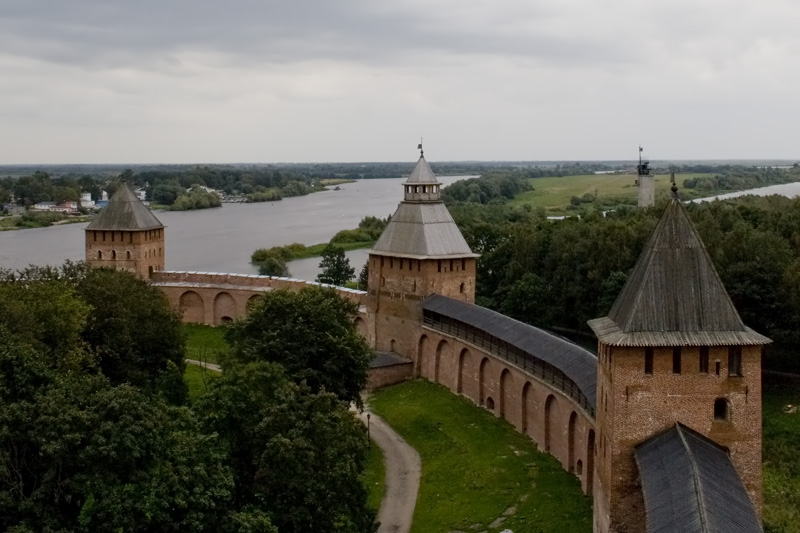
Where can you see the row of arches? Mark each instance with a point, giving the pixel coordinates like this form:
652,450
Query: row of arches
223,307
113,254
547,417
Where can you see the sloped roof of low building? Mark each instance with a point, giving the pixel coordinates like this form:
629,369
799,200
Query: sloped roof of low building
125,212
690,485
422,172
576,363
674,296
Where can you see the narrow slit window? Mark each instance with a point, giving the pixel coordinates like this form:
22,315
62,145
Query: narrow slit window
648,360
676,360
735,361
704,359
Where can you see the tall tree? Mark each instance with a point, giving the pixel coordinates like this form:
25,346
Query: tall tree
336,269
312,334
296,456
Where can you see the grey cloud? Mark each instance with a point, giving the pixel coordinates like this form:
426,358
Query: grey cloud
105,34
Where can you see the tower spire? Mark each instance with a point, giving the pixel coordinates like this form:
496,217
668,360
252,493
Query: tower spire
419,147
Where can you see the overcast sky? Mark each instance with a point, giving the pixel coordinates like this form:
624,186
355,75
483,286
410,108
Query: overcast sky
184,81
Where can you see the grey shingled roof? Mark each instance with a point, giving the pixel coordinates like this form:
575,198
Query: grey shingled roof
690,485
124,212
383,359
422,231
576,363
674,296
422,173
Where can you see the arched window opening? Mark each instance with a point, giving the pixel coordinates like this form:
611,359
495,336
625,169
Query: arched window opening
461,288
579,467
113,254
128,254
490,403
99,254
722,410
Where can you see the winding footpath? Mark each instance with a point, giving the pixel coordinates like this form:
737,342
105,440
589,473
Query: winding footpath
403,469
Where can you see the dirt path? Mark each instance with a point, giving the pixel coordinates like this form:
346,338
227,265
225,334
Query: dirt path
403,469
210,366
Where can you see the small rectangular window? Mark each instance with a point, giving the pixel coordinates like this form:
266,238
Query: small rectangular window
704,359
676,360
648,360
735,361
440,265
463,264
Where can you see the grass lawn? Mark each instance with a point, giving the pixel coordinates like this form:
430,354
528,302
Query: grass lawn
476,468
204,343
197,378
374,477
781,455
554,194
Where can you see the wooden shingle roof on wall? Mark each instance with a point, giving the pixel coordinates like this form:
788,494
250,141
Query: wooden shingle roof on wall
690,485
674,296
124,212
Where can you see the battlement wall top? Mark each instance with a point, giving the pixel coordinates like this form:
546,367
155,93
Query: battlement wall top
252,282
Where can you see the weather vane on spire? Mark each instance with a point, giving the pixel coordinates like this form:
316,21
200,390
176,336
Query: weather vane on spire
643,169
419,147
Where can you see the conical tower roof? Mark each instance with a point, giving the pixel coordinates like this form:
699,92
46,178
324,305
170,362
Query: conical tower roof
422,227
674,296
125,212
422,172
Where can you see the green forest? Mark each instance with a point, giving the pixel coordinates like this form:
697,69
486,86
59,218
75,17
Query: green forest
97,432
560,273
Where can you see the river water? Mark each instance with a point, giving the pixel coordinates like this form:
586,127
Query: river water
221,240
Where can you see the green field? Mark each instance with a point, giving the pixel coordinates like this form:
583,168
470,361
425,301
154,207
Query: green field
374,477
554,194
781,444
477,469
205,343
197,379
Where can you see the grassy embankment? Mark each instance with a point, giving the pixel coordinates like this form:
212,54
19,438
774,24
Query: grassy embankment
332,182
38,220
477,469
781,434
609,190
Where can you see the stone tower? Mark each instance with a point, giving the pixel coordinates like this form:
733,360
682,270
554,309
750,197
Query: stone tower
421,252
645,182
126,235
674,358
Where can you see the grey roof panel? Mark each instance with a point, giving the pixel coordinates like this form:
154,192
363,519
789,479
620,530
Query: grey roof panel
422,230
422,173
124,212
674,295
382,359
690,485
576,363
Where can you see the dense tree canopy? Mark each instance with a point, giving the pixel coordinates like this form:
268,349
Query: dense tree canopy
90,438
312,334
561,273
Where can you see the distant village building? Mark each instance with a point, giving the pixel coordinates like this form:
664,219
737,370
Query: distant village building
86,200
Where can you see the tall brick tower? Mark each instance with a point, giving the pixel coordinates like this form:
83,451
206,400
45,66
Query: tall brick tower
126,235
421,252
677,370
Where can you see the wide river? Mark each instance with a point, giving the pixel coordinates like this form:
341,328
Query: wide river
221,240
